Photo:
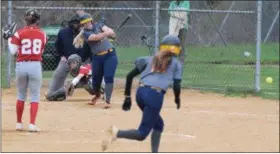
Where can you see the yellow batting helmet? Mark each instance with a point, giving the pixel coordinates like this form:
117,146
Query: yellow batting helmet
170,43
85,18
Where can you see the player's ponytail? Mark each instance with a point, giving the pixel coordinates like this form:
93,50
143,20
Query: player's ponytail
32,17
161,61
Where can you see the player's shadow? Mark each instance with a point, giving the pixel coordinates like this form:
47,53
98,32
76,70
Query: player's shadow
77,100
101,104
22,132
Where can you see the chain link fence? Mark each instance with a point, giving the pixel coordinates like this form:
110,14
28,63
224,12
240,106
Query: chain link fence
215,44
220,40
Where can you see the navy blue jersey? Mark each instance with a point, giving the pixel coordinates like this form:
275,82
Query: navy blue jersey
64,45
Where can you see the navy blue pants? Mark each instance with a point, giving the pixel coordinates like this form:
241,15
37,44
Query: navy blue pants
150,102
103,66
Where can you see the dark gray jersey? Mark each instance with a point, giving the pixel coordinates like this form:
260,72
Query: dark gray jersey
97,46
161,80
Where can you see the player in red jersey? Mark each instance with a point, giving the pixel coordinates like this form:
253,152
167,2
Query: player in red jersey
28,44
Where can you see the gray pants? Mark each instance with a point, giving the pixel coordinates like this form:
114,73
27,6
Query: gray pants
59,77
29,75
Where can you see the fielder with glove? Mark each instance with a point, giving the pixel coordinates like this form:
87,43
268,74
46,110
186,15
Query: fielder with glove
157,73
82,74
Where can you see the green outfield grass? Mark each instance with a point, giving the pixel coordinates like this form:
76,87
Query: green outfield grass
220,69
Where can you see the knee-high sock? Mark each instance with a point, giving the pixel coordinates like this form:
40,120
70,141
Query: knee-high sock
19,110
108,91
33,112
130,134
155,140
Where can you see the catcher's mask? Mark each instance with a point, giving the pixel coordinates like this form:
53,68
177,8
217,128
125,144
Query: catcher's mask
170,43
74,61
32,16
74,24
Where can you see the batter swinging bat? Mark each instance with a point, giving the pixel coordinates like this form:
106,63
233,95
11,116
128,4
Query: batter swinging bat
78,41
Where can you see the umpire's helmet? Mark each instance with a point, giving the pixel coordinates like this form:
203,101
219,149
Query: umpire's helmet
85,18
170,43
74,59
74,24
74,20
32,16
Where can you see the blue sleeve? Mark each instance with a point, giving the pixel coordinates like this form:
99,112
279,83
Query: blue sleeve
141,63
178,71
86,34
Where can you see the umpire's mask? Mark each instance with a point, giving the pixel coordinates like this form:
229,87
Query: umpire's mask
74,24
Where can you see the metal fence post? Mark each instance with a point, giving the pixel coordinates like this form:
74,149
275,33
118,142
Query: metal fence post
157,26
258,47
9,56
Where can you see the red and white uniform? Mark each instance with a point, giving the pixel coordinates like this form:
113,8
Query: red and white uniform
28,44
84,71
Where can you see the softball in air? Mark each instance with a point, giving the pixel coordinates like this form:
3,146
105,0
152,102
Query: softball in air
269,80
247,54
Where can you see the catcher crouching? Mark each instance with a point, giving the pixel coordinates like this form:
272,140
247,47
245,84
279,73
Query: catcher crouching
82,79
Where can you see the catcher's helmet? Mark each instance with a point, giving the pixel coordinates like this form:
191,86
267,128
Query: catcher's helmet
32,16
85,18
74,58
170,43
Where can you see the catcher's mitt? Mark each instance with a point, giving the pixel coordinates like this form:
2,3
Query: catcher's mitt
9,30
69,88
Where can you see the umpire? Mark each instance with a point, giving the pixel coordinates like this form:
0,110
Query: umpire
65,48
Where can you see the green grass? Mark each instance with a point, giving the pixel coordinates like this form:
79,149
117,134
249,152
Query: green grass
219,69
3,71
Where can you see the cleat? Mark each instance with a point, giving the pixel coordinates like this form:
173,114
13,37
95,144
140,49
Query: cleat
107,106
112,136
94,100
19,126
33,128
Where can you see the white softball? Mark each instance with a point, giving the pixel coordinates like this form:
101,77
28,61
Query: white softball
247,54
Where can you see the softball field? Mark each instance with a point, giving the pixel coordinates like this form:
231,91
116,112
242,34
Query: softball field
206,122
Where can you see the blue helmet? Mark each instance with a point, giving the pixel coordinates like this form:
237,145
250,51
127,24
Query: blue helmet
170,43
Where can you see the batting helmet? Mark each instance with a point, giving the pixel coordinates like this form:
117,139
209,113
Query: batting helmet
74,59
85,18
32,16
170,43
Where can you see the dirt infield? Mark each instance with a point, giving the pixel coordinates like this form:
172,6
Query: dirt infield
205,123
